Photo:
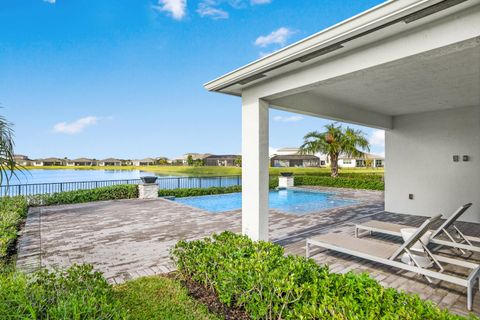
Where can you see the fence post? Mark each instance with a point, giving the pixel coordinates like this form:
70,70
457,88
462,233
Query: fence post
220,182
238,180
200,182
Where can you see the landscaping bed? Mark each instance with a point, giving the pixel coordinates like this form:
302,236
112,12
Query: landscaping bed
258,278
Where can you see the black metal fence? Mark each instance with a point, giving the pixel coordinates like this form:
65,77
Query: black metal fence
163,183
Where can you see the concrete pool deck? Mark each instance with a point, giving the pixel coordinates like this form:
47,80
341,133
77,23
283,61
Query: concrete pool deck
126,239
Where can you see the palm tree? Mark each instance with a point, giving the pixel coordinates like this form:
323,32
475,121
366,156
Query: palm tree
336,141
7,157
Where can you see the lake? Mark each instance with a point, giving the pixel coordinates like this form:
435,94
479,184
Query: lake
41,181
72,175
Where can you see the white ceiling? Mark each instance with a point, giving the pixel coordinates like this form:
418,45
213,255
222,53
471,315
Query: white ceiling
440,79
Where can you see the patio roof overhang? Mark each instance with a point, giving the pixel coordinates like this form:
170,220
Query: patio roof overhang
401,58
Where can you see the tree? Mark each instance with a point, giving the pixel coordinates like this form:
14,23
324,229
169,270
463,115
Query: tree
336,141
238,162
7,155
190,160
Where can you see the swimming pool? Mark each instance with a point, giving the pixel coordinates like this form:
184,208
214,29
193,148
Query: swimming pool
292,201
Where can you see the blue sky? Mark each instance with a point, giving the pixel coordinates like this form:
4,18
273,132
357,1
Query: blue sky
124,78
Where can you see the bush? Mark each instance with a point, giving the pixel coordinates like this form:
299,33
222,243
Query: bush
257,277
125,191
192,192
12,211
358,182
77,293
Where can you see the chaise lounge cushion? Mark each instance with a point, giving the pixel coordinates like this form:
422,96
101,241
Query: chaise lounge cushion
373,248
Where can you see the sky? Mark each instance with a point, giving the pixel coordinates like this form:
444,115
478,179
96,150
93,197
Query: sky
124,78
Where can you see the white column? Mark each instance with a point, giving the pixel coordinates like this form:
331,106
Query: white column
255,168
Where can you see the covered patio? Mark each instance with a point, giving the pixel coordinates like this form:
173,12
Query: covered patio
409,67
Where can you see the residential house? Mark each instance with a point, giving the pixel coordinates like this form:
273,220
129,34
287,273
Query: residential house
47,162
109,162
143,162
81,162
221,160
22,160
368,160
286,151
183,160
295,160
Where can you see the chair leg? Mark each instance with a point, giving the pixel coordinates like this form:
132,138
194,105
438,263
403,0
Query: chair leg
469,297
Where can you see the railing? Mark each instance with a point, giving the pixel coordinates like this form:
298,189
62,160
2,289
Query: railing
163,183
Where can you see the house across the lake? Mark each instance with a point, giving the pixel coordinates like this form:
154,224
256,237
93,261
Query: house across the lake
295,160
291,157
48,162
143,162
222,160
81,162
22,160
183,160
109,162
368,160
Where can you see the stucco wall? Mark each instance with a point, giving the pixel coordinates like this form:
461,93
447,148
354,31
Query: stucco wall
419,160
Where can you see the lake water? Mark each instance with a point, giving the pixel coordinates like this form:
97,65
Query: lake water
72,175
44,181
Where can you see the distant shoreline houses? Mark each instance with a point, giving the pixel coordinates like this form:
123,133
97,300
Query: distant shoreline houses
291,157
283,157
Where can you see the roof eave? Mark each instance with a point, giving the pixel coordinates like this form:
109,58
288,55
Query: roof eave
358,24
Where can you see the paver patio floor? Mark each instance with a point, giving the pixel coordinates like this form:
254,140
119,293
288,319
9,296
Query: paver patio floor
126,239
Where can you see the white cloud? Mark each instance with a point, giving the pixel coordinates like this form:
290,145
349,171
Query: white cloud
176,8
377,138
279,36
254,2
50,1
207,8
287,118
76,126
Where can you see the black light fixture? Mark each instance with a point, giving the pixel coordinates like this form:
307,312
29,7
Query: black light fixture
466,158
456,158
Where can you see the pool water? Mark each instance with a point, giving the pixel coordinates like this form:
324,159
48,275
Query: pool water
292,201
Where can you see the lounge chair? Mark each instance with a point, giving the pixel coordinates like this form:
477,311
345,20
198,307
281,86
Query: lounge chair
459,241
389,255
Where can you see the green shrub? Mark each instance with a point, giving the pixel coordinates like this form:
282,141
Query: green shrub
358,182
12,211
259,278
192,192
77,293
125,191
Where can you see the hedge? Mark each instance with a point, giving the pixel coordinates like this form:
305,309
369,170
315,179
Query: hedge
192,192
12,211
260,279
76,293
125,191
340,182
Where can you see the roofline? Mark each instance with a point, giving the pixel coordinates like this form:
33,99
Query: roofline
356,26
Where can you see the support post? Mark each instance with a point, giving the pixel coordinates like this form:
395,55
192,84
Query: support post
255,168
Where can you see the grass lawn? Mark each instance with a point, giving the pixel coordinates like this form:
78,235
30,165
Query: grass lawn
215,171
160,298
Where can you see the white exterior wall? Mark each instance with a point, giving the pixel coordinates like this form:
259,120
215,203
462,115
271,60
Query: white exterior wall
419,157
353,163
